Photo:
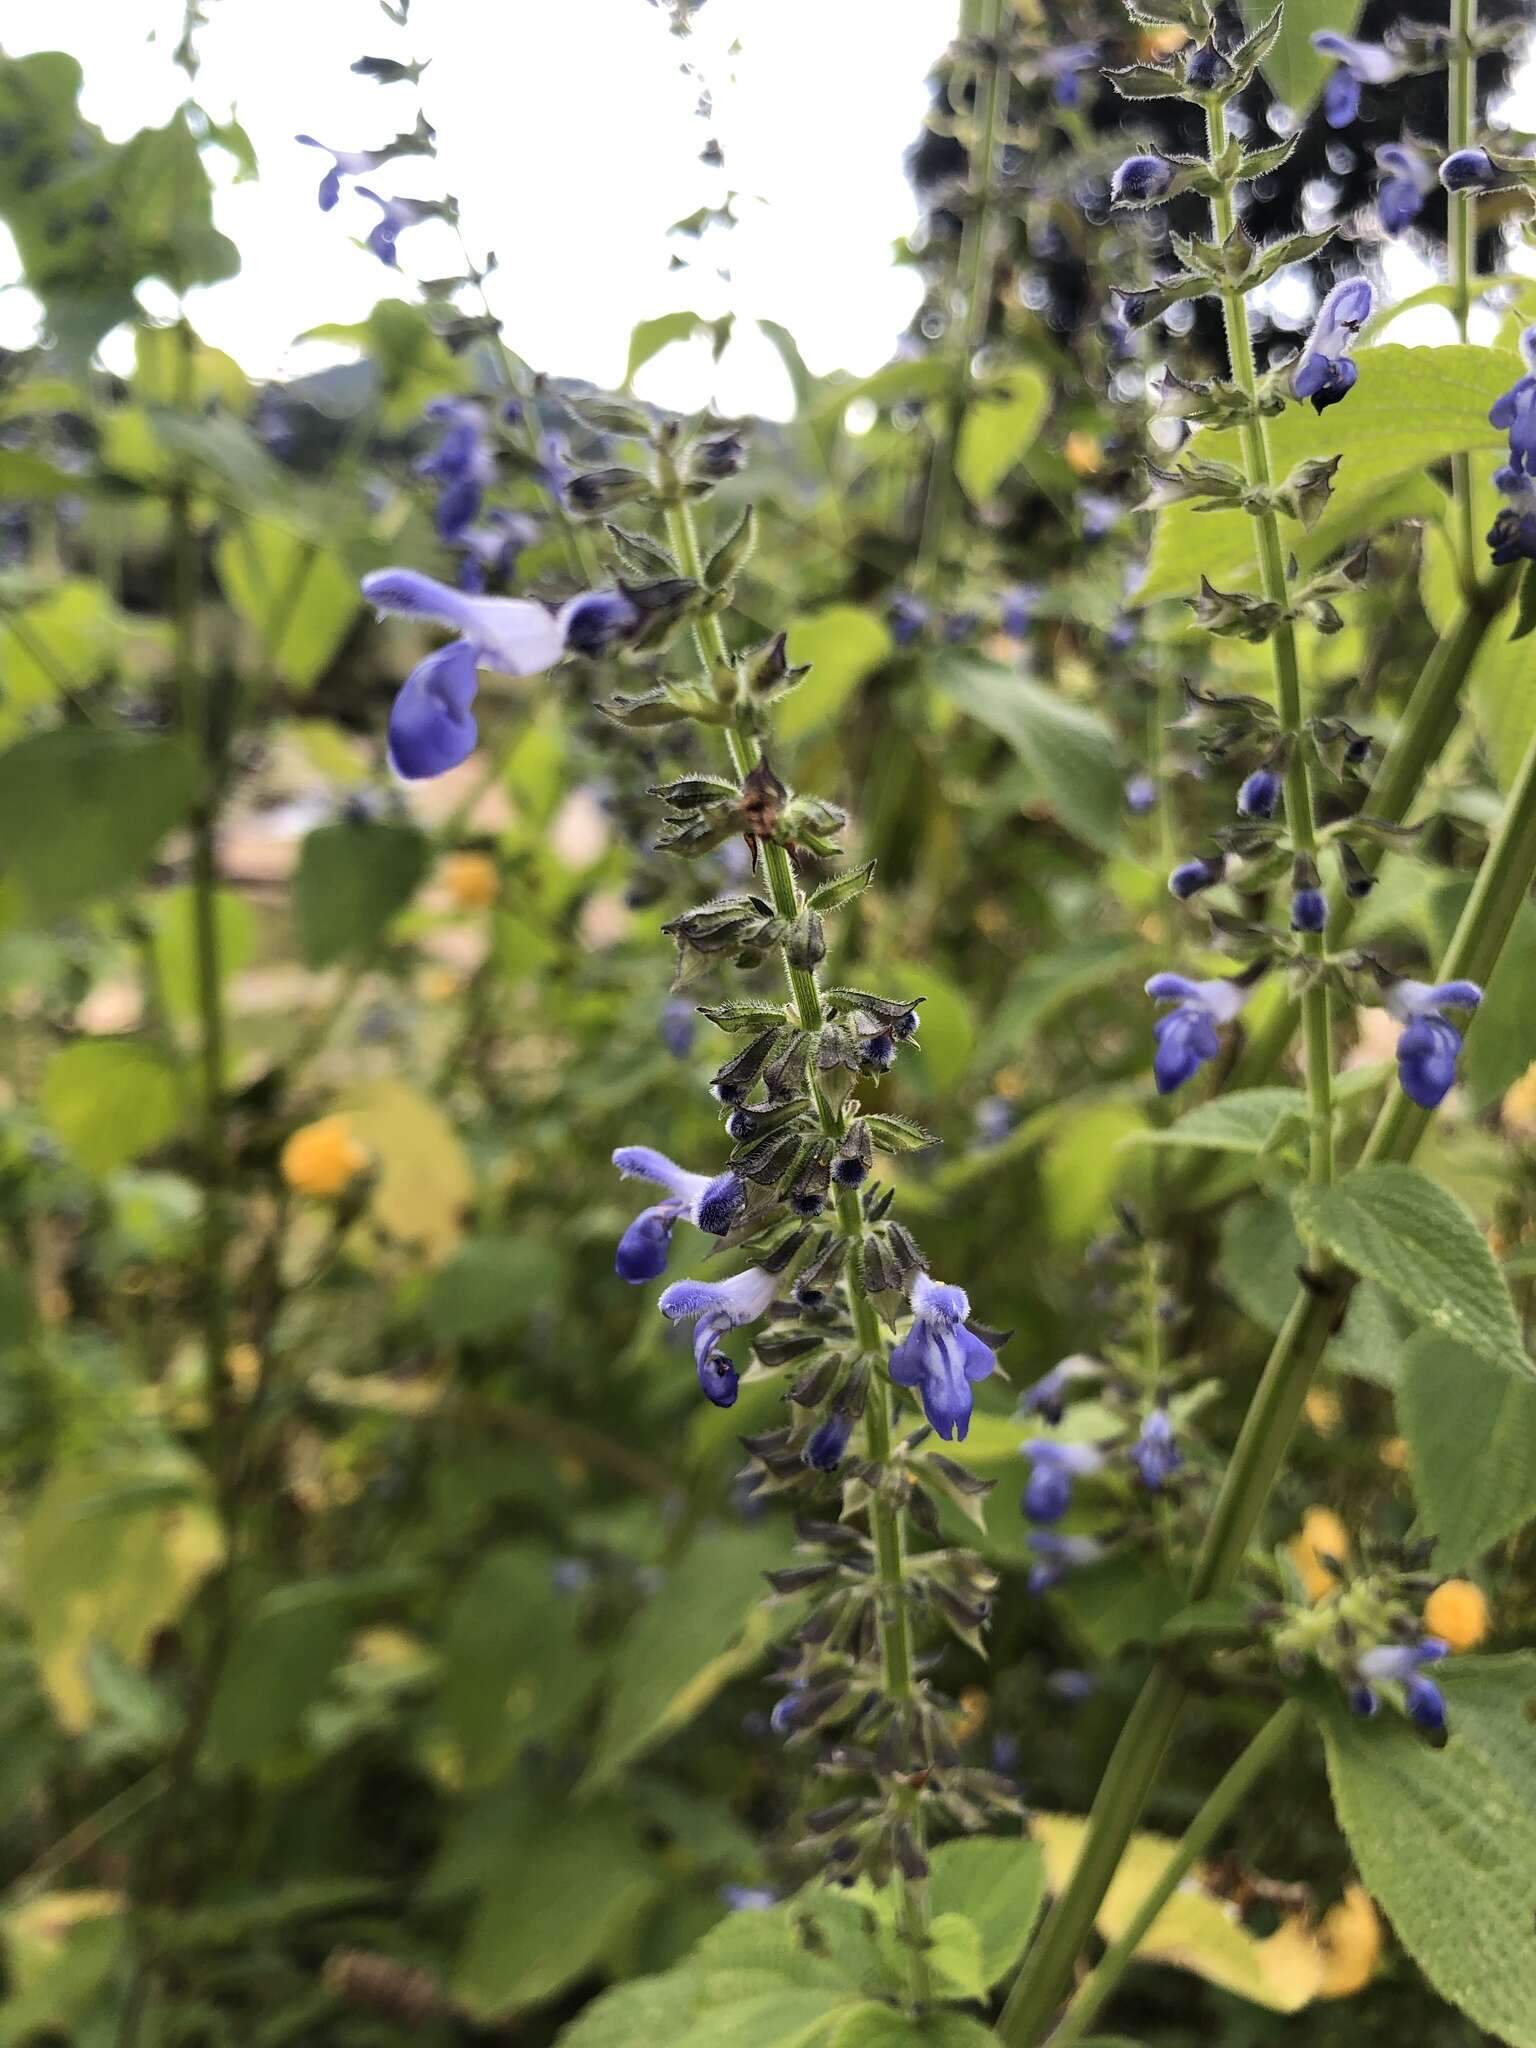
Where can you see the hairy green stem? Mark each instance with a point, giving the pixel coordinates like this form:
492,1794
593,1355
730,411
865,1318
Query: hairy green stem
886,1519
1316,1032
1427,722
1503,882
1228,1797
985,20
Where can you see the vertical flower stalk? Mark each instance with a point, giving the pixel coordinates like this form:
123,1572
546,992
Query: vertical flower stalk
1461,208
1316,1028
204,723
803,1151
886,1518
986,22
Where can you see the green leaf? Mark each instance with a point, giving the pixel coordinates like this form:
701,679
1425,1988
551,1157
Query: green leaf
92,218
651,2009
1260,1252
414,364
1499,1049
111,1549
176,943
1249,1120
1392,1224
1055,982
282,1655
649,337
1446,1839
514,1667
560,1893
352,879
1119,1602
843,644
108,1101
1446,392
83,808
898,383
299,599
997,1885
1376,1330
1066,749
701,1629
491,1287
1000,423
1471,1431
955,1957
1525,611
880,2026
946,1034
1294,69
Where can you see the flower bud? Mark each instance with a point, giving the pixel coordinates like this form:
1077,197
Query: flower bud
593,492
1140,181
1469,170
1191,876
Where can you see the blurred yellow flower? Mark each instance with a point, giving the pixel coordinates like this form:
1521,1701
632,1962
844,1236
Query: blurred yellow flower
1350,1936
323,1158
438,984
1323,1410
1322,1535
1457,1612
1394,1454
1519,1107
972,1717
471,879
242,1364
1084,455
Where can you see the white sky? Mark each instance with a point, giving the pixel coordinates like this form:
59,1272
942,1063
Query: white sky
568,132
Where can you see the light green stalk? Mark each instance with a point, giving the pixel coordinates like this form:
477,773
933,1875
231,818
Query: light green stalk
1207,1824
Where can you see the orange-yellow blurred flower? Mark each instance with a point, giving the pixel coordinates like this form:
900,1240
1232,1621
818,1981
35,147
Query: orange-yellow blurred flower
1457,1612
1322,1535
471,879
323,1158
1350,1937
1084,455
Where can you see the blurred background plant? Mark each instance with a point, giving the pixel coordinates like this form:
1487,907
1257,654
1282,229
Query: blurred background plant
382,1608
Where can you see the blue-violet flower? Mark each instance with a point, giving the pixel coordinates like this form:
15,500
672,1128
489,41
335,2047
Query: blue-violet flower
1186,1036
1428,1048
718,1306
1325,373
940,1356
1359,64
713,1205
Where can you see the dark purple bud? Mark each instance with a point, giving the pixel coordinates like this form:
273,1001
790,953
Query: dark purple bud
829,1443
1259,796
1309,910
1191,876
1469,170
1140,181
